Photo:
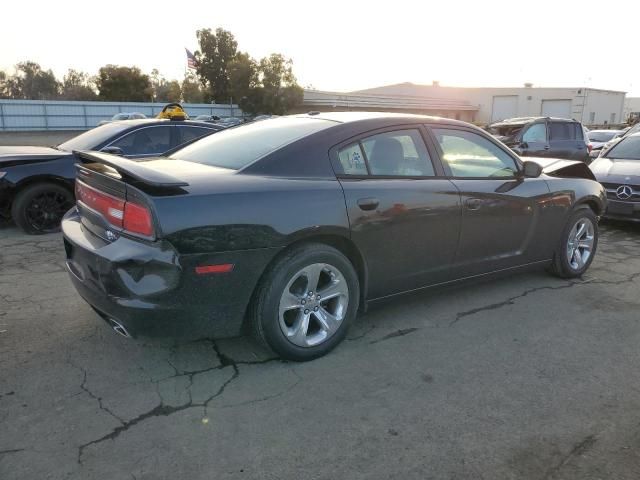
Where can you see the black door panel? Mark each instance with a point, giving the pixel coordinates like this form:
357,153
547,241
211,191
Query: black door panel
410,237
501,224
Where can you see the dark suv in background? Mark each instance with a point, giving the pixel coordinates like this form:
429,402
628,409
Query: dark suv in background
543,137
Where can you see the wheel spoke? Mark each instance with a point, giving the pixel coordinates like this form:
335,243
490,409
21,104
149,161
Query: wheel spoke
333,290
298,334
289,301
586,244
328,322
581,227
313,276
578,258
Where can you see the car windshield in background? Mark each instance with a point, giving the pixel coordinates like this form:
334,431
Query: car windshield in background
238,147
509,131
92,138
599,136
121,116
627,149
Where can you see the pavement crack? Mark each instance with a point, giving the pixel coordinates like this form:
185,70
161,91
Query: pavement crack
83,387
579,448
511,300
397,333
14,450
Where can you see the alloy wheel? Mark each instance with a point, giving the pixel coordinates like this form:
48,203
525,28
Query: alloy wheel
313,305
45,211
580,243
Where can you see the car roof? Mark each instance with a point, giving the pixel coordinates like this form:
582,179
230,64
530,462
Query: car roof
524,120
350,117
156,121
604,131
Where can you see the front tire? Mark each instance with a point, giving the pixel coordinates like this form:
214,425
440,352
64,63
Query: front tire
578,244
39,208
306,302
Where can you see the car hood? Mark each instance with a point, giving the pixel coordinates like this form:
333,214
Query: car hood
10,156
610,170
558,167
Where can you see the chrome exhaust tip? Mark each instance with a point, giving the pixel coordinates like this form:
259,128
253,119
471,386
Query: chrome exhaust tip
118,327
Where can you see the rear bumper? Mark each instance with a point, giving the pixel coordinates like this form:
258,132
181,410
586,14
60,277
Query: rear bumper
153,291
628,211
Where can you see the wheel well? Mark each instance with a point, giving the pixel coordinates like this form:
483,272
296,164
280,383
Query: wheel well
592,204
27,182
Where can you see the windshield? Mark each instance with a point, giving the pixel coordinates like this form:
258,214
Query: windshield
238,147
602,136
120,116
626,149
91,139
507,131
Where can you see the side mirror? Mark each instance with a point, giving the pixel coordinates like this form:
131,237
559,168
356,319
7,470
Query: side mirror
531,170
524,145
113,150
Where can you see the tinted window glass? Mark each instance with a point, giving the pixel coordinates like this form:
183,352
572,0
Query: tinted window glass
535,133
94,137
352,160
470,155
628,149
398,153
562,131
145,141
238,147
191,133
602,136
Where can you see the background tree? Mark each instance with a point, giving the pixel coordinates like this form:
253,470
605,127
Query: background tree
30,82
163,90
191,91
123,84
3,81
280,90
217,51
243,82
78,85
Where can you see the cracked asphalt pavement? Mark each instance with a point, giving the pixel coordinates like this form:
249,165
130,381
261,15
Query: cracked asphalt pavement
527,376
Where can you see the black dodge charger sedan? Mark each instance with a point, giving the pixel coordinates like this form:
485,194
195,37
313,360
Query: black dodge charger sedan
289,226
36,183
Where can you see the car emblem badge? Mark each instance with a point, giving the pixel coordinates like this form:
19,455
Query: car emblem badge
111,236
624,192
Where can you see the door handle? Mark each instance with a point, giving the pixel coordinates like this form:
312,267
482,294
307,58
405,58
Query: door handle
473,203
546,147
367,204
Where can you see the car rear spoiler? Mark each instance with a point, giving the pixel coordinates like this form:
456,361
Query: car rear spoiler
134,171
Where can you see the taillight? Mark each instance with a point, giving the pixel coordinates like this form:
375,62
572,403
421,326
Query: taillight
130,216
137,219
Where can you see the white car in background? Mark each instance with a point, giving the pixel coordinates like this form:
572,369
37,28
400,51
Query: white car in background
124,116
599,138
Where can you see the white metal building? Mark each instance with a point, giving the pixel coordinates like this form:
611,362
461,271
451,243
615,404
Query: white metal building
591,106
631,108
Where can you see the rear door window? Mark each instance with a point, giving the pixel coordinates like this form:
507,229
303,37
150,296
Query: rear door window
186,134
398,153
352,160
562,131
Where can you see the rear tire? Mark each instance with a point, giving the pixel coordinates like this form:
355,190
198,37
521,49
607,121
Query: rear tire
305,303
39,208
578,244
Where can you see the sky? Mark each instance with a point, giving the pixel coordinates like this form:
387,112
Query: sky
345,45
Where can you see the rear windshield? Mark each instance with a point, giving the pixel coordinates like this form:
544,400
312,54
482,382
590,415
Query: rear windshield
237,147
626,149
91,139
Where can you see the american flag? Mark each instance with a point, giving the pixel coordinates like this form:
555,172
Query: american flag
191,59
